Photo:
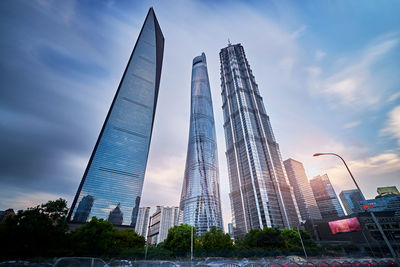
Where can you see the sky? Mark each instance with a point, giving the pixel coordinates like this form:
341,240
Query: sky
328,72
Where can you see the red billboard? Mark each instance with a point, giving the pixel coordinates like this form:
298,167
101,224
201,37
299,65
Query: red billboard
345,225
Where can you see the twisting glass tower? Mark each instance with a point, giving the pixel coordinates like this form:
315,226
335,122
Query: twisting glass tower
200,199
111,186
260,192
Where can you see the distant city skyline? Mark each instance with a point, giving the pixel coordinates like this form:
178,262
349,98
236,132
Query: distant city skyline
328,72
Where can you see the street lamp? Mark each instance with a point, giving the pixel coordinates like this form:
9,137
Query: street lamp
301,240
364,201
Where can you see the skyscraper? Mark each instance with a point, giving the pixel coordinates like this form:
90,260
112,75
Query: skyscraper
326,198
260,192
200,204
351,200
142,223
302,190
115,172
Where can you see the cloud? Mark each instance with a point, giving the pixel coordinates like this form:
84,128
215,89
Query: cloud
392,125
352,124
352,84
163,182
394,97
319,55
299,32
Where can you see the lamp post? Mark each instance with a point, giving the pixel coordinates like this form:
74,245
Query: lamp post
364,201
191,243
301,240
147,239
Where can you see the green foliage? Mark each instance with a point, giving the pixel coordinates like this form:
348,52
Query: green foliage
178,240
215,239
291,238
98,237
127,239
268,238
35,231
94,237
43,231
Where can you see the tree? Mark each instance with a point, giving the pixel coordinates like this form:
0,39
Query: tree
268,238
94,237
215,239
127,239
36,231
292,238
178,239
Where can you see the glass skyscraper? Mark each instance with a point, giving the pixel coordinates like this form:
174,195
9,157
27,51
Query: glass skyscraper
200,204
352,200
260,193
302,190
111,186
326,198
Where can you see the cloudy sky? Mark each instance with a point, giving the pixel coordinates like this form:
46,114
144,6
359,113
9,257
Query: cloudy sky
328,72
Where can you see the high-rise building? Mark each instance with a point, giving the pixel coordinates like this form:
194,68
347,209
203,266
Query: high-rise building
302,190
326,198
260,193
115,172
200,204
142,223
351,200
160,222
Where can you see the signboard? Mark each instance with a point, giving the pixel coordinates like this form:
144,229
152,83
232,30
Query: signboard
345,225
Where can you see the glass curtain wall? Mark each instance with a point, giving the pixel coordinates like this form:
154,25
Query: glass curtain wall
260,193
200,204
112,183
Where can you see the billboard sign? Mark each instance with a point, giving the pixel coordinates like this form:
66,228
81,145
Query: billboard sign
345,225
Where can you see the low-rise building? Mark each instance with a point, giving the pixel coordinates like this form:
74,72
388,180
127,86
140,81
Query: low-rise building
142,222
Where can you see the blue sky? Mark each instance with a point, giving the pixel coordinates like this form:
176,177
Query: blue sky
328,72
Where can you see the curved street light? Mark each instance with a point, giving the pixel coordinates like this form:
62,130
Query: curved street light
301,240
364,201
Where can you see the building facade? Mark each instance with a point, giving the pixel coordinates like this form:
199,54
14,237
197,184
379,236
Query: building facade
388,203
200,203
302,190
260,193
351,200
387,191
367,238
84,208
325,196
160,222
115,172
142,223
